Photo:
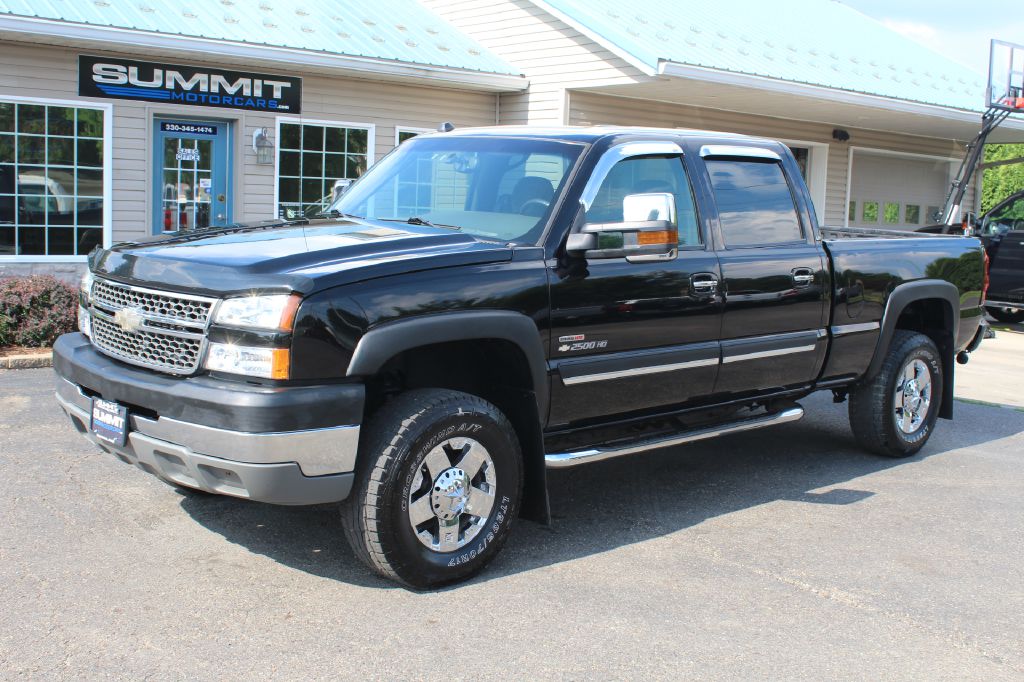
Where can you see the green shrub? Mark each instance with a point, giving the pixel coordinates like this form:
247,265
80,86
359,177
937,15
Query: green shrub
35,310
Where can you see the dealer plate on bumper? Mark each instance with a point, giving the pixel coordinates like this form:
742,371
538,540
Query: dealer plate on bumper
109,421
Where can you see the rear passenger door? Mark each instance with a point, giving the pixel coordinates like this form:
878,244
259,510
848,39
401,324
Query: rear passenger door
774,276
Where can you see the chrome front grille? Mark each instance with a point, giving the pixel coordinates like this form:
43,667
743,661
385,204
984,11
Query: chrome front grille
159,351
189,310
161,330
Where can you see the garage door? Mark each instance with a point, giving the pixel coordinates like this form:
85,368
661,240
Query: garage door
895,192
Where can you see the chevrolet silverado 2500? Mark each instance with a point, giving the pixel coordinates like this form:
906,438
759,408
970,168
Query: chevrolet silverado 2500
485,304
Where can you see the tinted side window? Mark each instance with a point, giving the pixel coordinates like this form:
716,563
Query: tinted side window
1010,217
643,175
755,205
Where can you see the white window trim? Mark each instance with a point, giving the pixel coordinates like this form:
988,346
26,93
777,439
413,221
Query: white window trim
371,149
108,172
411,129
817,172
952,161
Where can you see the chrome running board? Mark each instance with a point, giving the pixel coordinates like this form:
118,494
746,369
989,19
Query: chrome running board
562,460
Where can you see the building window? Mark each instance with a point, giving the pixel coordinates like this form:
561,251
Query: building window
913,214
869,211
311,156
403,134
891,213
852,213
51,179
802,156
413,193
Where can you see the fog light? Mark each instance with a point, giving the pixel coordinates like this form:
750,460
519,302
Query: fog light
269,363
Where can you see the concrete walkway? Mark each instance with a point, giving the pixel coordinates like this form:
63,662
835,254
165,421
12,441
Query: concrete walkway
995,373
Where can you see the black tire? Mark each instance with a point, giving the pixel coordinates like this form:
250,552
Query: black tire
397,441
1007,315
873,406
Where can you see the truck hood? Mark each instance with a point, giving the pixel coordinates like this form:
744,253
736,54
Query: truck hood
306,257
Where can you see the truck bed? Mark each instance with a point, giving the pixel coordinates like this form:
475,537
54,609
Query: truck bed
838,232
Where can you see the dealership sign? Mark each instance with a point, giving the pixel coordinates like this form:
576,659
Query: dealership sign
175,84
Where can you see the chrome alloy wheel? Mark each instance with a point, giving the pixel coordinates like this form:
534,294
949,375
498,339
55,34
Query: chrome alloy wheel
913,396
452,494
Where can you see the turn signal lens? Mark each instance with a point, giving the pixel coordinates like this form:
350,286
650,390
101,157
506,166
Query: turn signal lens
85,287
84,321
268,363
657,237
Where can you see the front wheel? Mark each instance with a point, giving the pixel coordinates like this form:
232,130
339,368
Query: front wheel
894,413
440,486
1007,315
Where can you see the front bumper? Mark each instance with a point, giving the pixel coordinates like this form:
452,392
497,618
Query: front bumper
292,467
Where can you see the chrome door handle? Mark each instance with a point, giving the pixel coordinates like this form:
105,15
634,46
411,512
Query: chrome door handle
703,284
803,276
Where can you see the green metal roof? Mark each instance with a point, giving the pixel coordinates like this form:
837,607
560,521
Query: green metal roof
814,42
395,30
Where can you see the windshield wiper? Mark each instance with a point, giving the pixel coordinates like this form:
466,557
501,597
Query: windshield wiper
335,214
417,220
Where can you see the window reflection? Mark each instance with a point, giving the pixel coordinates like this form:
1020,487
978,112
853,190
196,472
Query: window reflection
755,205
51,179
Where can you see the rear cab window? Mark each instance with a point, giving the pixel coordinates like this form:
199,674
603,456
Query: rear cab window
755,203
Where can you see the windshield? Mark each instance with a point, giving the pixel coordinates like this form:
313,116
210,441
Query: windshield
500,189
1005,219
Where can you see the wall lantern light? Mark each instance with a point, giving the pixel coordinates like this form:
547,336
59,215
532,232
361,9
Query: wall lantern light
263,147
840,135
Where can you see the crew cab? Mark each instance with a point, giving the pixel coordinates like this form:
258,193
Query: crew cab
485,304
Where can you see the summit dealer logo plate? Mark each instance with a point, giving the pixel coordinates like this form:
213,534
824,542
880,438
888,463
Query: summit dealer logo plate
114,78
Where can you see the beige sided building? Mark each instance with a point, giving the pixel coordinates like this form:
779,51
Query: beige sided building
878,123
124,119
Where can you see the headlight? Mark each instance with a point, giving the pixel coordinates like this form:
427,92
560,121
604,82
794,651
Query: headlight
85,286
276,312
84,321
269,363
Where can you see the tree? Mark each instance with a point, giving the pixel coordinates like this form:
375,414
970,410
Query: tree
1001,181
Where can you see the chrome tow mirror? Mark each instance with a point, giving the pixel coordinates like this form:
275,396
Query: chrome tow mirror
648,231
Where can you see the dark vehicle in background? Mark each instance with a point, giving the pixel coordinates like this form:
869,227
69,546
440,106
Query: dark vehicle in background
1002,232
485,304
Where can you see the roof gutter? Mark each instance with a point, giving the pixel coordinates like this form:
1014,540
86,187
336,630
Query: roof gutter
112,38
677,70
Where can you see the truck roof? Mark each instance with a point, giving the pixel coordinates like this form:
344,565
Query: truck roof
595,133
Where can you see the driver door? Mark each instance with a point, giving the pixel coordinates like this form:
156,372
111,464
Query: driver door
630,336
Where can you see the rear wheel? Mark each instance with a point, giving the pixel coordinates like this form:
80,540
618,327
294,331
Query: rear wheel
1008,315
894,413
440,485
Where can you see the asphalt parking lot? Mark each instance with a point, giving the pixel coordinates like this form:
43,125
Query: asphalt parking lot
784,553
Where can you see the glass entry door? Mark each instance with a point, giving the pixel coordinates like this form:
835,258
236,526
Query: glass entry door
192,175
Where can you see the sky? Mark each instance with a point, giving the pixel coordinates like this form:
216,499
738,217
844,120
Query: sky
960,30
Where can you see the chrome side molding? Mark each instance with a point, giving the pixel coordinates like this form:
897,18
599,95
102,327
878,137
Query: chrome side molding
562,460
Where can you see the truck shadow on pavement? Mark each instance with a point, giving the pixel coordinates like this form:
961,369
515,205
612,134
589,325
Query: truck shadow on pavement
611,504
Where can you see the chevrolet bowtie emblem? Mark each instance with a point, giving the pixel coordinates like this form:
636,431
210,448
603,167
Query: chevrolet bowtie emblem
128,319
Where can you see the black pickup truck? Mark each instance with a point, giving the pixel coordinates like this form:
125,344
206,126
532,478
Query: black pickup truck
485,304
1002,232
